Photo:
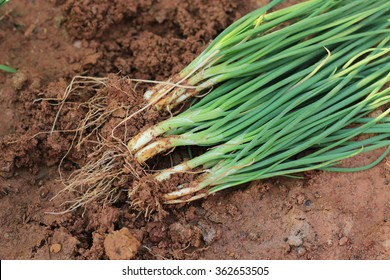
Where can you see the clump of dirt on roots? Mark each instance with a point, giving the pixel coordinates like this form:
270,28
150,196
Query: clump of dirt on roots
114,112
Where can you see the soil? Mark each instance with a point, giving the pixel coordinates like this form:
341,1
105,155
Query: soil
323,216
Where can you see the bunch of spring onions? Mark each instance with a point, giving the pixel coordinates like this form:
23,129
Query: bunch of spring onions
260,42
282,90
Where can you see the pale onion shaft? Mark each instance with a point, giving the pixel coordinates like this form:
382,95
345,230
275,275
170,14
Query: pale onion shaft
192,198
182,192
153,149
166,174
143,138
159,146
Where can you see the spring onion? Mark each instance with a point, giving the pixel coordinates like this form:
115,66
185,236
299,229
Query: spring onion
309,89
276,93
256,43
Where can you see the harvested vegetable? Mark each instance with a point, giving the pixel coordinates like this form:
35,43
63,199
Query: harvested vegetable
298,51
283,92
294,98
260,41
325,118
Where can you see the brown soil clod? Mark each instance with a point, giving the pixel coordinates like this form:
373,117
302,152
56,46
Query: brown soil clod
55,248
121,245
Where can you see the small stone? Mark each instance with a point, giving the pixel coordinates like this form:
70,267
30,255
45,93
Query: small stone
301,251
55,248
121,245
375,113
329,242
77,44
43,192
343,241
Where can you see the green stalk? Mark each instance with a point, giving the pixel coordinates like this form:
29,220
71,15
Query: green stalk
229,125
237,51
273,157
7,69
283,99
348,29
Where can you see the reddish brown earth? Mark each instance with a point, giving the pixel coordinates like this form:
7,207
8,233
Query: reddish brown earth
324,216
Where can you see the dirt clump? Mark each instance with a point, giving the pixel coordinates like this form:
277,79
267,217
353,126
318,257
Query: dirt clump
121,245
148,39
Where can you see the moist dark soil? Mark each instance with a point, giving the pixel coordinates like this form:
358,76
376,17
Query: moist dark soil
322,216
